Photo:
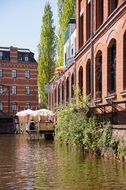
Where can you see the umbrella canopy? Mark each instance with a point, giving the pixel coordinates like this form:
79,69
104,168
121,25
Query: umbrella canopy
24,112
42,114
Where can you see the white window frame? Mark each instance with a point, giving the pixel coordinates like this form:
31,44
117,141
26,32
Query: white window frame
1,106
27,74
14,106
1,89
1,55
26,57
28,105
14,73
27,90
14,90
1,73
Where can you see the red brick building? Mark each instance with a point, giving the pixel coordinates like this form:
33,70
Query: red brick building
100,60
18,80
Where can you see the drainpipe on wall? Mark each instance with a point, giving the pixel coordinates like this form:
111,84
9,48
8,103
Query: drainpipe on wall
92,54
8,100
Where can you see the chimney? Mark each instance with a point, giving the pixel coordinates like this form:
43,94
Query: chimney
13,55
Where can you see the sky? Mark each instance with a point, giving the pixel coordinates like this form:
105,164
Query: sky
21,21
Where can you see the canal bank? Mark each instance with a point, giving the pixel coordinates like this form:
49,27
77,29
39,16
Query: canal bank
76,125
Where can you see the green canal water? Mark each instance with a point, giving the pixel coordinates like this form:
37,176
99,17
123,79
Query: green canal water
46,165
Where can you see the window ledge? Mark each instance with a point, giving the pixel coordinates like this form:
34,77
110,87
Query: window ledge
110,96
98,100
123,94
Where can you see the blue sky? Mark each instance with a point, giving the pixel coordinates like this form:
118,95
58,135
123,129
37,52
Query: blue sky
20,22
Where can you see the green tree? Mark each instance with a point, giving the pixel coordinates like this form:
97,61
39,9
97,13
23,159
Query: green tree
47,53
66,10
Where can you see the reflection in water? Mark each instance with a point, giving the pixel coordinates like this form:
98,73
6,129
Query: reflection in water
45,165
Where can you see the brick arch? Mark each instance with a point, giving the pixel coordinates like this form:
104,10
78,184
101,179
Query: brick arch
87,57
99,47
69,74
80,63
111,35
124,25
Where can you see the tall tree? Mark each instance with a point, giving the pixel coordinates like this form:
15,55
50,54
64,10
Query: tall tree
66,10
47,53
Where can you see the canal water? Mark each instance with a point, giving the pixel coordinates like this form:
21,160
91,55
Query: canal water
46,165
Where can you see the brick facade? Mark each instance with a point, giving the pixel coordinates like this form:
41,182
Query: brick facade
100,60
18,80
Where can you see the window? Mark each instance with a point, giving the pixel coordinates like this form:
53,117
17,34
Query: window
55,95
67,89
27,90
59,94
72,51
98,74
28,106
4,55
27,74
88,77
88,20
99,12
1,55
26,57
72,86
14,90
112,5
22,56
63,92
1,73
111,66
81,80
14,107
1,106
1,89
81,32
14,73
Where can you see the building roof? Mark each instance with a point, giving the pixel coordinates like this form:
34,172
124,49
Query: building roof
18,49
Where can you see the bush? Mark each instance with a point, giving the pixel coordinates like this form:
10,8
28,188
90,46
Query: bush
107,135
74,126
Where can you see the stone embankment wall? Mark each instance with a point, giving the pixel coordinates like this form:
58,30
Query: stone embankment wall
119,132
119,135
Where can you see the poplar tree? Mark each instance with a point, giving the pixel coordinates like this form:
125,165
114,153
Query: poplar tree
66,10
47,53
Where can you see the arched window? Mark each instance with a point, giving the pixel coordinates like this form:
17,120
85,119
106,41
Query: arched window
98,74
67,89
112,4
55,96
72,86
59,94
80,77
88,20
62,92
88,77
111,71
99,12
124,61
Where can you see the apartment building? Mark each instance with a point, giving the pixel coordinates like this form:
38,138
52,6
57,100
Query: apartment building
18,80
100,60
